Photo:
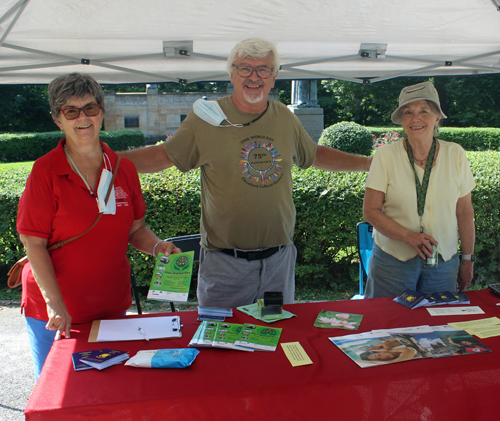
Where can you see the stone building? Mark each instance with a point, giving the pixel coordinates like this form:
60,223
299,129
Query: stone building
156,114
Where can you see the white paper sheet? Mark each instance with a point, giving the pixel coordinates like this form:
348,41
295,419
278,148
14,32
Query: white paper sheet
127,329
450,311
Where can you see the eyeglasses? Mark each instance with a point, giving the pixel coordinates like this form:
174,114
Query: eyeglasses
262,72
90,110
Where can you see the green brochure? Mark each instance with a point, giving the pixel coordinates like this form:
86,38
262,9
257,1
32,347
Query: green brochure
263,338
253,310
336,319
226,336
197,335
207,334
172,277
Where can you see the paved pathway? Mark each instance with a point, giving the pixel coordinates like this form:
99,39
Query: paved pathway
16,369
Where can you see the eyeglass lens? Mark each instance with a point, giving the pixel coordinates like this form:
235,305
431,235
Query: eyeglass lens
262,72
90,110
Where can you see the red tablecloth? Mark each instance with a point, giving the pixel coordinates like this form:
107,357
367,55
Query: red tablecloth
234,385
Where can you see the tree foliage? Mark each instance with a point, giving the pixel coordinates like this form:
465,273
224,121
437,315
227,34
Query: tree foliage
25,109
467,101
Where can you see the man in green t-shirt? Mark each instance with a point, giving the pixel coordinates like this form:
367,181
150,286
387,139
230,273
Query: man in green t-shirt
247,211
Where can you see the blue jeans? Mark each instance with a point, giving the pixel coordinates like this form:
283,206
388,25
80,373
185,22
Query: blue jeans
389,277
40,342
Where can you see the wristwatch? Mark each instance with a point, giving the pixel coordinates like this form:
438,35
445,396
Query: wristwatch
471,257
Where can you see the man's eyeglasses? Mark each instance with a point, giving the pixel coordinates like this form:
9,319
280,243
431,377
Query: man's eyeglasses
89,110
262,72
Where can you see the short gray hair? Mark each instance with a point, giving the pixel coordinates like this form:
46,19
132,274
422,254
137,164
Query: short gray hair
73,85
256,49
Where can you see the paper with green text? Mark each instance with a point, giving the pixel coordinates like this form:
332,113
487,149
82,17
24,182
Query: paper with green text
171,277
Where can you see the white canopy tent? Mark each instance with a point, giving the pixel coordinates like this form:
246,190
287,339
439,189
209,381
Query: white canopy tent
153,41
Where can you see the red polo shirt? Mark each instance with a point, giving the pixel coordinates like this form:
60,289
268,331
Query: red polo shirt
93,271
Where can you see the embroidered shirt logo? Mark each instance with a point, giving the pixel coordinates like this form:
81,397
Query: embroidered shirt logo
121,197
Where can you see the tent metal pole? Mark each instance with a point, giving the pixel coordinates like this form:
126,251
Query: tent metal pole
21,5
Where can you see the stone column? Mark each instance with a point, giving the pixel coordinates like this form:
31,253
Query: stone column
110,117
305,107
153,123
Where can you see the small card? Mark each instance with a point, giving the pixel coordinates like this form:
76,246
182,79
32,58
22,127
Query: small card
484,332
471,324
454,311
171,277
296,354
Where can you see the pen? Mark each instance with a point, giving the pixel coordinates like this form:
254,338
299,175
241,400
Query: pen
143,333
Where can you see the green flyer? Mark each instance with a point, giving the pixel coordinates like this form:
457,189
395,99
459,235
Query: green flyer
172,277
263,338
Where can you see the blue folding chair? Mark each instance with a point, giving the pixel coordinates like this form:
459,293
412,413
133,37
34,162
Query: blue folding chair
364,233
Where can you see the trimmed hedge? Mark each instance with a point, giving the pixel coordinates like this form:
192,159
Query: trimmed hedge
329,205
20,147
349,137
471,138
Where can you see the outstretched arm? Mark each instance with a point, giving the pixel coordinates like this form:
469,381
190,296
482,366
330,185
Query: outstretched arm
331,159
149,159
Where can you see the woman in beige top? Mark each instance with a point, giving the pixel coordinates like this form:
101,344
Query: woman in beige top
418,198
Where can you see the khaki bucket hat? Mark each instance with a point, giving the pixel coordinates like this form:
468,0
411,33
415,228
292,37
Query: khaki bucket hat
418,92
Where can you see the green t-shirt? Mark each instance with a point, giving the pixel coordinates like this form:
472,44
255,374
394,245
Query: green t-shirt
246,180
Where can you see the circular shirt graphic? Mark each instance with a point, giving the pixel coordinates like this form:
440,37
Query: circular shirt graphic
260,162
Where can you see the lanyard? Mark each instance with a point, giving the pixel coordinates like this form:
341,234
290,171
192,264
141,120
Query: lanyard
422,187
254,120
105,159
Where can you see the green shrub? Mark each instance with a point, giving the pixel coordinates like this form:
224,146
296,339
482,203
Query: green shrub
470,138
348,137
329,205
20,147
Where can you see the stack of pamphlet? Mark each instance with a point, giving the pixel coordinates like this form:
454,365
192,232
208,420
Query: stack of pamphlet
413,299
380,347
214,313
100,359
242,337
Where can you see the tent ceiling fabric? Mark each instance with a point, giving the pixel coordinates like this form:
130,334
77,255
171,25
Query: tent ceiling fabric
123,40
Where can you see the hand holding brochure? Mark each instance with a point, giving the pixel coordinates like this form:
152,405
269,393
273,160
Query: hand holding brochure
172,277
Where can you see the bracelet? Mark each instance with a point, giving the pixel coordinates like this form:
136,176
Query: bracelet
154,248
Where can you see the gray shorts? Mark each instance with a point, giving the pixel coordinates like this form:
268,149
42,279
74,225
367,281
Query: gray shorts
227,281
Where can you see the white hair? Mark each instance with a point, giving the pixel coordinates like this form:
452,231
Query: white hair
256,49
